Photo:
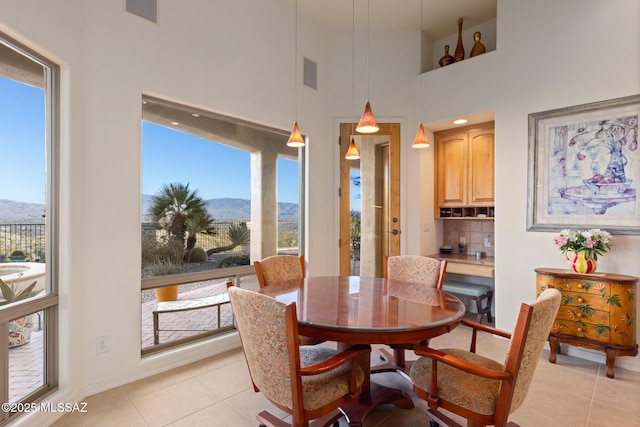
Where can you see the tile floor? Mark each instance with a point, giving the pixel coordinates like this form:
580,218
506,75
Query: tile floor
217,392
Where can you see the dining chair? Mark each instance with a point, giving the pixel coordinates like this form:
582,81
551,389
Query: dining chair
310,383
278,268
480,389
413,273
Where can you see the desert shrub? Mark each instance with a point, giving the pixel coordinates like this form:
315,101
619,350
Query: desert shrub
198,255
17,254
234,260
165,250
162,268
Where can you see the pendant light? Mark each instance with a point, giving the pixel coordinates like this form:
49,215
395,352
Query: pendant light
352,152
420,140
295,139
367,122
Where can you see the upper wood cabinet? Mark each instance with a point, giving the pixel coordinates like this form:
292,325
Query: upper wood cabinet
464,171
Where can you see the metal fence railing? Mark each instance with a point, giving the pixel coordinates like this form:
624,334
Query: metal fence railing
287,234
28,238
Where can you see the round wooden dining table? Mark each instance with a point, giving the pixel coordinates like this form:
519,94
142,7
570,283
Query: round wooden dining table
368,310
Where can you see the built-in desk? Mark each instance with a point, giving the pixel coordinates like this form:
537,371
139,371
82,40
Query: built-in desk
467,264
464,288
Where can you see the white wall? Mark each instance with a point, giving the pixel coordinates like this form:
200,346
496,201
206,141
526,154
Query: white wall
548,55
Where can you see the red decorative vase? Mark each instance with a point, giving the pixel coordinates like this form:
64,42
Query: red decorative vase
581,263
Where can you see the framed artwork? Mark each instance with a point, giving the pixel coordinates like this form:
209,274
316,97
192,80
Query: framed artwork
584,167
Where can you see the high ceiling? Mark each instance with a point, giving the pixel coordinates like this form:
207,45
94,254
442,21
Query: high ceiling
440,17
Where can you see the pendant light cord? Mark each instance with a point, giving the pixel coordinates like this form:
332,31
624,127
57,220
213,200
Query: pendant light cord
295,66
353,62
368,42
420,69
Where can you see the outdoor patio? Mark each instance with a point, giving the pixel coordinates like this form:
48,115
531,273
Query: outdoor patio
26,362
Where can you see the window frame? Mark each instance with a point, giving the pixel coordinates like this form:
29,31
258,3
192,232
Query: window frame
49,300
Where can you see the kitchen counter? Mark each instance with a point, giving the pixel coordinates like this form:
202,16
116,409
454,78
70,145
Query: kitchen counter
467,264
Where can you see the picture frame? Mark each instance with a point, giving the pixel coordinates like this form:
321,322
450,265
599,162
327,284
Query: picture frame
584,167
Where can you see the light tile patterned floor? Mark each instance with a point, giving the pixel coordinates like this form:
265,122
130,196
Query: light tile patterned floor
26,362
217,392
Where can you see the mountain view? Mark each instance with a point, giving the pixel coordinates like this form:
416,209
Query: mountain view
235,209
12,212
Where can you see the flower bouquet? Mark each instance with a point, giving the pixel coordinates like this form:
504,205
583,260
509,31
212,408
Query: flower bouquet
586,246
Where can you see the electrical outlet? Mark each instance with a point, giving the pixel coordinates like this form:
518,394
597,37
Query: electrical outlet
487,241
425,227
102,345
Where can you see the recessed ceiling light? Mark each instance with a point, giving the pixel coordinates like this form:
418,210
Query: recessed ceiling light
175,123
460,121
195,114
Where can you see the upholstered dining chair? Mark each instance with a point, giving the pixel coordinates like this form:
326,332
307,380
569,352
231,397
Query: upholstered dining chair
310,383
479,389
415,273
278,268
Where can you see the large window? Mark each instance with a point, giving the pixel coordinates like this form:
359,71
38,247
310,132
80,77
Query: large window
217,194
28,300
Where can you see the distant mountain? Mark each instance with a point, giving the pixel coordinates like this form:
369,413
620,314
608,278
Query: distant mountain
12,212
236,209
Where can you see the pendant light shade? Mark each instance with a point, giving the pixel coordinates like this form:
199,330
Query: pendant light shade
352,153
295,140
367,123
420,140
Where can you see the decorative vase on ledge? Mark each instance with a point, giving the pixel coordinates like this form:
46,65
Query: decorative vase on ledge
580,263
459,54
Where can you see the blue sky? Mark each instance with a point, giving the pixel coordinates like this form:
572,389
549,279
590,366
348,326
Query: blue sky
213,169
22,133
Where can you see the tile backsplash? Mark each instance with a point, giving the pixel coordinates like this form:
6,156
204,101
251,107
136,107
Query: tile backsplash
474,231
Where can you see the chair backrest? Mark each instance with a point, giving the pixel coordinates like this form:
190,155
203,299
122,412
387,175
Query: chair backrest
269,333
528,339
420,271
278,268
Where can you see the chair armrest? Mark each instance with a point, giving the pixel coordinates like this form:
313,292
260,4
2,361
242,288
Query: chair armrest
461,364
337,360
480,327
485,328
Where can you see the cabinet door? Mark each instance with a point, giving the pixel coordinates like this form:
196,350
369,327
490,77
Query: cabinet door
481,167
452,170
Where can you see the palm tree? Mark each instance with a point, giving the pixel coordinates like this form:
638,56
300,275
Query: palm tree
180,211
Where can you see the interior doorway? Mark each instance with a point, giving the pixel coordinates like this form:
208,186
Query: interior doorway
369,200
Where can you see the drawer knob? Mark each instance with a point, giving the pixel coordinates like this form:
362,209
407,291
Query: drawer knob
580,299
579,329
579,314
580,286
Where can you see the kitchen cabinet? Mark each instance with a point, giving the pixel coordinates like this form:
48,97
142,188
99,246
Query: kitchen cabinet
464,171
598,311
